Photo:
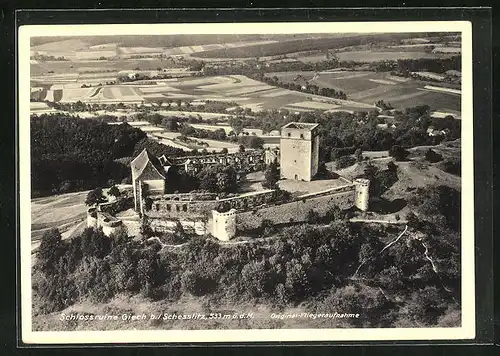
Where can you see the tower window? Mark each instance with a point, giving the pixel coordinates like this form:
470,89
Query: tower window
157,207
289,134
301,135
168,207
184,207
178,208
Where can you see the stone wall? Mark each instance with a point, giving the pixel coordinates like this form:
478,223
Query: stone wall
108,223
296,211
190,226
178,206
295,159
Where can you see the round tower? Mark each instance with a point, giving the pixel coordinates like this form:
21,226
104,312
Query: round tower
224,224
92,217
362,193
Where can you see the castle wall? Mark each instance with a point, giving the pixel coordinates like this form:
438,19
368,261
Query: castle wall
197,226
92,217
133,227
108,223
180,206
296,211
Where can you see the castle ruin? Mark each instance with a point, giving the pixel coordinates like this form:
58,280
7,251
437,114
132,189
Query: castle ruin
207,213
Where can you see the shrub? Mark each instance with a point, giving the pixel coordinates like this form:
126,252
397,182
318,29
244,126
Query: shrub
432,156
345,161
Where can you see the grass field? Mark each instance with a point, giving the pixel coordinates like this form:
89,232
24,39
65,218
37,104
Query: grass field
60,211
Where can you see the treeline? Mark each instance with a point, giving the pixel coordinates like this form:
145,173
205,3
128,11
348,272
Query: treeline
46,57
405,66
70,154
345,132
299,45
316,267
401,67
308,88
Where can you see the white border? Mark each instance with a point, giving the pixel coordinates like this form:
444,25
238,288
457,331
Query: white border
466,331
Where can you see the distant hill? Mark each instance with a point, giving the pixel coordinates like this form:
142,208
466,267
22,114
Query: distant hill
168,41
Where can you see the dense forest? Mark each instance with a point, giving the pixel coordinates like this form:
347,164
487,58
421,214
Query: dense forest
345,132
71,154
335,267
299,45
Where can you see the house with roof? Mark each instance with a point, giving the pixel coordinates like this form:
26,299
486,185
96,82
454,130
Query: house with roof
147,169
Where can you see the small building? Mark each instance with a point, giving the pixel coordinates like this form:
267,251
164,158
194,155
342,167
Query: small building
432,132
271,155
299,151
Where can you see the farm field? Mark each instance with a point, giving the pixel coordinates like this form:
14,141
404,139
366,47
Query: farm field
246,92
369,87
42,68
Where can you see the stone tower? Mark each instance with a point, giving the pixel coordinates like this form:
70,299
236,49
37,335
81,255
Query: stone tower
299,151
224,224
362,193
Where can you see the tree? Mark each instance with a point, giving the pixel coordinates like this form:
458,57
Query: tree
95,197
256,142
114,191
391,167
170,125
432,156
218,178
345,161
242,148
398,152
359,154
156,119
313,217
272,176
50,249
224,151
236,124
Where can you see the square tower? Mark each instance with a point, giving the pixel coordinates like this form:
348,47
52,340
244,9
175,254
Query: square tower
299,151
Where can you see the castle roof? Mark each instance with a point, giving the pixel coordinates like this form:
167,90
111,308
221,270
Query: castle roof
300,126
141,161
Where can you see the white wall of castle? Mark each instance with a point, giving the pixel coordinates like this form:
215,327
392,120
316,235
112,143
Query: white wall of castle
362,194
224,225
98,222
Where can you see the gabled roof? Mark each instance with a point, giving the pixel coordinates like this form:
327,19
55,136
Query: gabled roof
300,126
164,160
142,160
